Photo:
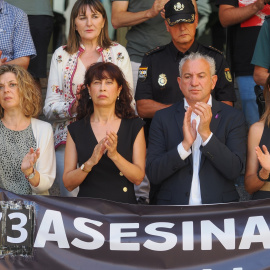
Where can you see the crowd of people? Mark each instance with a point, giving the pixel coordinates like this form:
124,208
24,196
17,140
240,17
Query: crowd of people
150,123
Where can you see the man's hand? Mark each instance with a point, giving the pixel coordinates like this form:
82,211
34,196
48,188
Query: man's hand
157,7
2,61
189,130
230,15
259,4
204,111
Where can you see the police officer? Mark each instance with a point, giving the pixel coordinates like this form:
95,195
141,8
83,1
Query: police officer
157,86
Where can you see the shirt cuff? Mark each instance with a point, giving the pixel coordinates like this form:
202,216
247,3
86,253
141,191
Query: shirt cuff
208,139
182,152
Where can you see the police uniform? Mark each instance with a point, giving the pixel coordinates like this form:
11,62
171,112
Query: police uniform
160,68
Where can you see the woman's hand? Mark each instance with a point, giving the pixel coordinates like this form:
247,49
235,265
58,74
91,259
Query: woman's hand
111,144
28,162
263,157
99,150
80,87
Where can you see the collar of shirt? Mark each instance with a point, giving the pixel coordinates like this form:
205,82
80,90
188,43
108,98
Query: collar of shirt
178,55
186,105
195,191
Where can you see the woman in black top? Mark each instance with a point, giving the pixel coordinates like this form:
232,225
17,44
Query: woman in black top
257,180
107,141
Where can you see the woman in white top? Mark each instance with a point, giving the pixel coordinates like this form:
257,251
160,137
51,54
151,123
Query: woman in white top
88,42
27,157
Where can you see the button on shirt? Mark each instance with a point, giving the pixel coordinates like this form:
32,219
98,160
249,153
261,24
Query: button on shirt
15,37
195,192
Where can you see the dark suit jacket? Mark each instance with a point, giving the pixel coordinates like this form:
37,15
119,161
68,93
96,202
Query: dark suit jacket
222,159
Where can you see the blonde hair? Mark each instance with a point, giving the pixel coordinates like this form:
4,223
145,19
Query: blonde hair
30,96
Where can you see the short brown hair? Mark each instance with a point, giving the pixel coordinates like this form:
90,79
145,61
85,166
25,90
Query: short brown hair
30,96
74,38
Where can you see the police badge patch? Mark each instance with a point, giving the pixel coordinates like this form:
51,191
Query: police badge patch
228,74
162,79
142,73
178,6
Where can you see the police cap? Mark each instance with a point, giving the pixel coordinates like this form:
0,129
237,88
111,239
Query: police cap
177,11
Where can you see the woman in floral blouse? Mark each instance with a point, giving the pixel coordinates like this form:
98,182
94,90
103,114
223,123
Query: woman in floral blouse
88,42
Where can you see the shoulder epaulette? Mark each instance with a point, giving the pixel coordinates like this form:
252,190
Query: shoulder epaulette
215,49
158,48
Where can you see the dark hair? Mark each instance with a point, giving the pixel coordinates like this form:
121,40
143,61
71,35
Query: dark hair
266,94
30,96
101,71
74,39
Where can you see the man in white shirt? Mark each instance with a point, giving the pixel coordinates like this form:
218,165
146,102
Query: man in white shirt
197,147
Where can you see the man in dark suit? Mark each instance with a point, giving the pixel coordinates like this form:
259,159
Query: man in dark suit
197,147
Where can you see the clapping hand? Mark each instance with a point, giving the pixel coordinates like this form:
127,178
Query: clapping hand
205,112
111,144
263,157
29,161
189,130
99,150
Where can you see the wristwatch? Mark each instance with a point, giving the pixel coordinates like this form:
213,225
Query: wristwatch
84,170
32,175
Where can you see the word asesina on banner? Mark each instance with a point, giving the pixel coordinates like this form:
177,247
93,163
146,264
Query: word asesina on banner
42,232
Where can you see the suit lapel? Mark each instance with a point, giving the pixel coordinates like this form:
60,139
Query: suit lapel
216,117
179,117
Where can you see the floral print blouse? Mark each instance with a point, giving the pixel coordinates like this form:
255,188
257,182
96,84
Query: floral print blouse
60,94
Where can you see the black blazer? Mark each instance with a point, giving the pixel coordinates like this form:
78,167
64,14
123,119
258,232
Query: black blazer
222,159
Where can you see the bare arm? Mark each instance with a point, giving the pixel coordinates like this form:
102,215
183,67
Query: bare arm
260,75
134,172
230,15
147,107
21,61
121,17
252,183
73,176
